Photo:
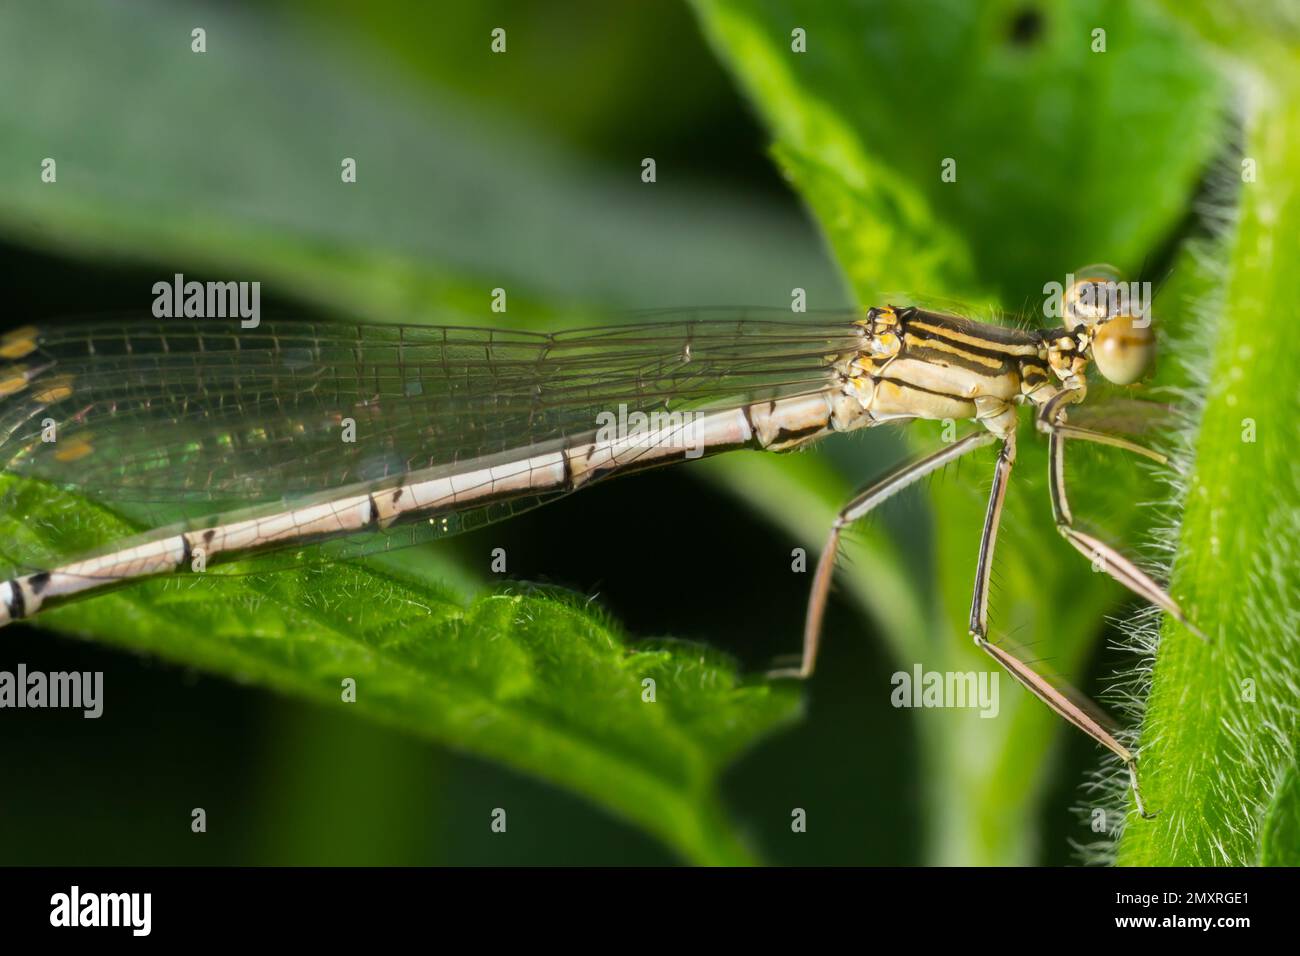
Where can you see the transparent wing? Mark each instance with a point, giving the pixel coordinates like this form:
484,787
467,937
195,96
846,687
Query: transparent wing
1117,414
174,423
180,411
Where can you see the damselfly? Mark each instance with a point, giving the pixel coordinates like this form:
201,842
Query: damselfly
295,433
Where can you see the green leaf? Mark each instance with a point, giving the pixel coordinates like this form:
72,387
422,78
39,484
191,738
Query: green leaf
1247,28
1280,835
863,122
1220,734
1051,172
538,681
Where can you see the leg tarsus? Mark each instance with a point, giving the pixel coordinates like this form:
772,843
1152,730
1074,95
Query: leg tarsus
1034,682
801,672
1131,765
1051,420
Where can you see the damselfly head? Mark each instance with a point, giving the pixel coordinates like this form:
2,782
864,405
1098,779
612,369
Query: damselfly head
1093,296
1114,320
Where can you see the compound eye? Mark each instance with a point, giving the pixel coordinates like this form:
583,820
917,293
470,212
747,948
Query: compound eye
1124,350
1089,299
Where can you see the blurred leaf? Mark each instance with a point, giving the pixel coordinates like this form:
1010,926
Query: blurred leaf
1219,740
390,779
1040,127
553,59
230,159
541,682
802,494
1245,27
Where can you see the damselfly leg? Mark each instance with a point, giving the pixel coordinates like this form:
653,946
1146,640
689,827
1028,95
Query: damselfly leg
1051,420
979,610
858,507
1051,695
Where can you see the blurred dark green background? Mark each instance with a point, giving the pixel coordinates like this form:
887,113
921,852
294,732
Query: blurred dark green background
591,86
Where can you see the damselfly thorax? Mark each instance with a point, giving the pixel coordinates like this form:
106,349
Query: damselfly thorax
354,432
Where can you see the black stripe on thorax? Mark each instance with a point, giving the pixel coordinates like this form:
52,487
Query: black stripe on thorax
997,338
1034,369
904,383
942,356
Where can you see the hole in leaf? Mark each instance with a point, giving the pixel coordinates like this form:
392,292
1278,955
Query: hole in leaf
1026,27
